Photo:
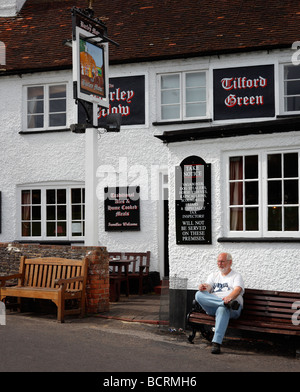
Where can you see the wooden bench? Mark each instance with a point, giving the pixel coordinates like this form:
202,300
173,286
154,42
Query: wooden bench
50,278
263,311
138,268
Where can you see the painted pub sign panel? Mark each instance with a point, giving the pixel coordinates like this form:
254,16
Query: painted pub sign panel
244,92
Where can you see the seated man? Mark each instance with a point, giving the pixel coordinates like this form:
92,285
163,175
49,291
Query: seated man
221,296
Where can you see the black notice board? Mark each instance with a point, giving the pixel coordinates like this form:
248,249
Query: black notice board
122,208
193,201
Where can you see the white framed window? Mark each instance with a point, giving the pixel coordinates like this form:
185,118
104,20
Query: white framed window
263,194
52,212
182,96
291,89
46,107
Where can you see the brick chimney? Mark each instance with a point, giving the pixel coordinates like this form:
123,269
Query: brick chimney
10,7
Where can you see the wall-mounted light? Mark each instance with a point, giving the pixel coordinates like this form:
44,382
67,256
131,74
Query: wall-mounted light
67,42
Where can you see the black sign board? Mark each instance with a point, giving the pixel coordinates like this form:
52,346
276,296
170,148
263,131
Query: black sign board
244,92
122,208
127,97
193,201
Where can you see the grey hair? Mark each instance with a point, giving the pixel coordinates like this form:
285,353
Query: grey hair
228,257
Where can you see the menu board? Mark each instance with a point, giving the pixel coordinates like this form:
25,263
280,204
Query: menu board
122,208
193,201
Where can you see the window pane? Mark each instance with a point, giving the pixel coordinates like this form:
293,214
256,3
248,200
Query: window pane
194,79
36,229
51,213
292,87
169,81
26,213
236,219
292,104
35,93
291,72
170,96
26,228
35,107
236,193
77,229
291,192
50,196
291,165
75,196
36,213
61,212
36,196
251,166
291,218
57,91
274,166
76,212
251,192
251,219
274,218
170,112
56,120
236,168
58,105
26,197
61,196
195,95
61,229
274,192
196,110
50,229
35,121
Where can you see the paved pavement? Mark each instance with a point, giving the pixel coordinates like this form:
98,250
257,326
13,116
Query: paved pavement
133,337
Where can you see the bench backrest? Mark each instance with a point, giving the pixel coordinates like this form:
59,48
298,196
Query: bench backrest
137,260
42,272
272,304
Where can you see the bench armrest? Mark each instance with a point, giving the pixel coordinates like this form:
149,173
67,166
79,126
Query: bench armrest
69,280
142,267
3,279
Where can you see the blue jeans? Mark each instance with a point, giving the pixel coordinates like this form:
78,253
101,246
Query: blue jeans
214,306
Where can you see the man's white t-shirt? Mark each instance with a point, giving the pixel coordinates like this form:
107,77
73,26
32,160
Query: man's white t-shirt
224,285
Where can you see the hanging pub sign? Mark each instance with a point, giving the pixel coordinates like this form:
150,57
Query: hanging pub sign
90,58
244,92
127,97
122,208
193,201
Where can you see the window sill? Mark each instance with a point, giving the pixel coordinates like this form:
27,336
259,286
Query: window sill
45,242
180,122
258,239
44,131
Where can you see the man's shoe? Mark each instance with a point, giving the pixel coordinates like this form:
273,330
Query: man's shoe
216,348
234,305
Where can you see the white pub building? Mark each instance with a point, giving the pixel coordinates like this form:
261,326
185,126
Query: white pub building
209,142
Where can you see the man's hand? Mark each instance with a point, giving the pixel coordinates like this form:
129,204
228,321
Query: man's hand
233,295
204,287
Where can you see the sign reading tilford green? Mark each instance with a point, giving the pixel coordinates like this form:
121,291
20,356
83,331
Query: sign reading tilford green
193,201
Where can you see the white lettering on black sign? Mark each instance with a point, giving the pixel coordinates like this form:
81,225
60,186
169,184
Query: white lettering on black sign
244,92
193,206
